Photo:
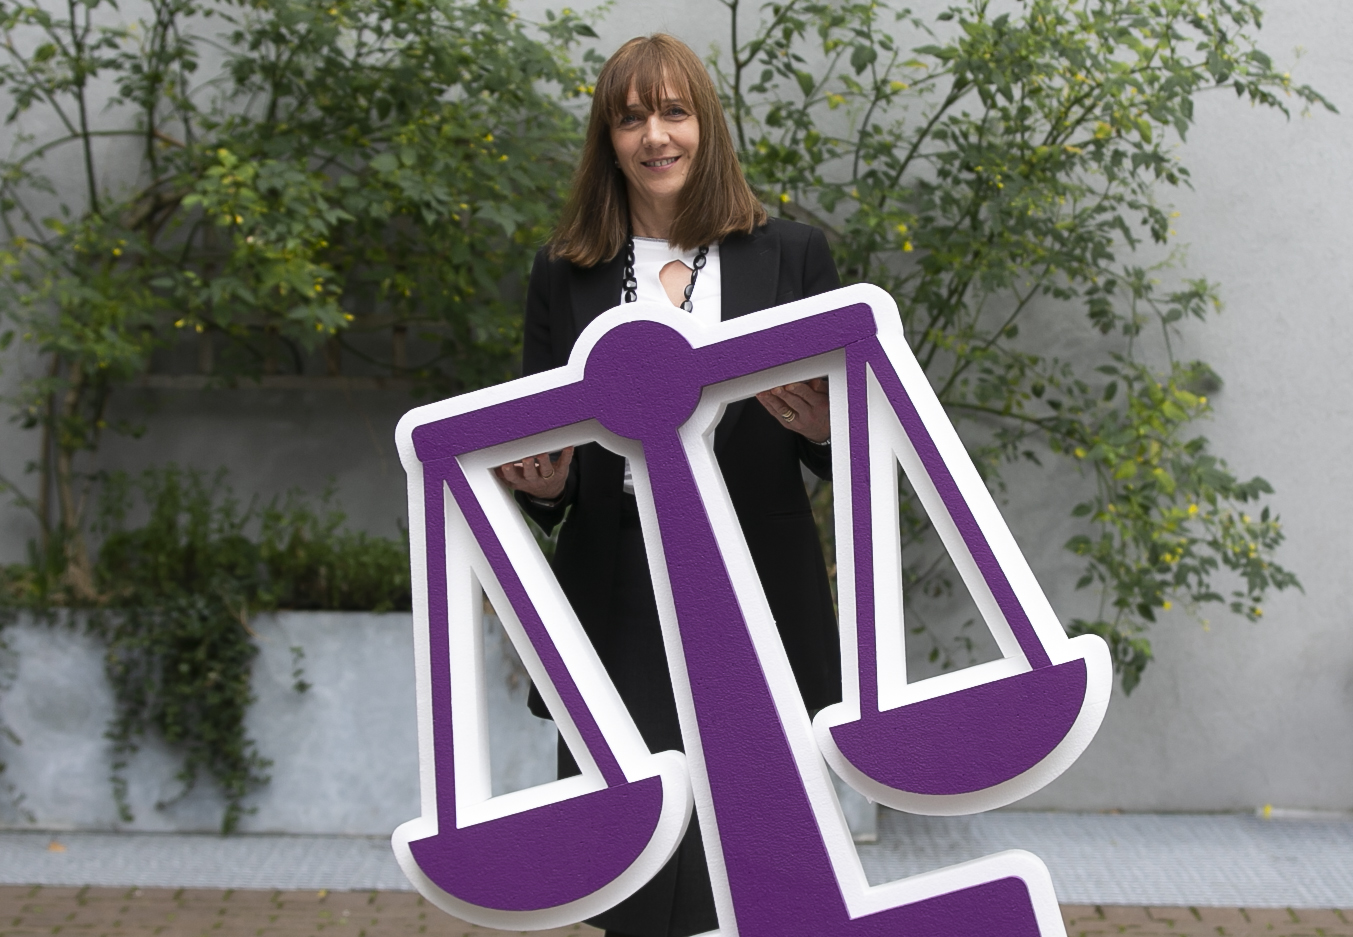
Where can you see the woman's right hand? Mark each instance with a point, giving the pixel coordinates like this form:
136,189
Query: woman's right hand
538,476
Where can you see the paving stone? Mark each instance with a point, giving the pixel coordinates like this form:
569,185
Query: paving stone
64,911
185,912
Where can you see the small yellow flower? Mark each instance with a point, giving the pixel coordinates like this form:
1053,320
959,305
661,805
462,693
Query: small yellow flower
784,198
902,229
906,247
117,252
1080,453
488,138
1167,605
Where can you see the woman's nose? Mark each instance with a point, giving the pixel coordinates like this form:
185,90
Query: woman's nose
655,134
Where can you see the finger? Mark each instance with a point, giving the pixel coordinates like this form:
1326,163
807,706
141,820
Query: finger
783,413
545,467
773,404
510,475
816,389
815,392
535,469
812,411
553,485
796,400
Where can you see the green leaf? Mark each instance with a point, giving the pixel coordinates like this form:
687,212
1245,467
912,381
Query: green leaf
861,57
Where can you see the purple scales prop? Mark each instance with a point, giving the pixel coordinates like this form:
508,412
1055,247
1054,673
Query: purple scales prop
779,854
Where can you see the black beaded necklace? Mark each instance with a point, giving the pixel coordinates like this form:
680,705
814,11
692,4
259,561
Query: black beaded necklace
631,284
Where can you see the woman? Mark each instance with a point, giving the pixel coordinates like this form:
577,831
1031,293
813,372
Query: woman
660,211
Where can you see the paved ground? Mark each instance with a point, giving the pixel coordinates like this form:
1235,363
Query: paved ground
1093,921
1153,876
190,912
1095,859
164,912
1172,860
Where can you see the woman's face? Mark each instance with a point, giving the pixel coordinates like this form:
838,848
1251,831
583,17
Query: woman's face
656,149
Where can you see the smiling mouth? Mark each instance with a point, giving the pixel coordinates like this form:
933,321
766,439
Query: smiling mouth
660,163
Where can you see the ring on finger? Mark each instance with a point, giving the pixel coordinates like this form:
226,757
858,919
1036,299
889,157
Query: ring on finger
551,475
788,416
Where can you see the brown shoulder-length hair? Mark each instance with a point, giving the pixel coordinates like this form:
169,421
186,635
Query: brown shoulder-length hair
715,201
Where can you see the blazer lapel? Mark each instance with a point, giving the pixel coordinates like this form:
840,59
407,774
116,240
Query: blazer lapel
749,274
595,290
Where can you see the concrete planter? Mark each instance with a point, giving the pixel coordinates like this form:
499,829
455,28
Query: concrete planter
345,753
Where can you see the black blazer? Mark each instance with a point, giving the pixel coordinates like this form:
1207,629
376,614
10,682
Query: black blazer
778,263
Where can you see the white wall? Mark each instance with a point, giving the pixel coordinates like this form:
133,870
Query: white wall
1226,718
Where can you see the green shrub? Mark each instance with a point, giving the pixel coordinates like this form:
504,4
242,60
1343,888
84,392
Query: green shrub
998,171
372,176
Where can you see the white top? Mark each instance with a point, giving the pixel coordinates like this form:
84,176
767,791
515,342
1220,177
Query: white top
650,256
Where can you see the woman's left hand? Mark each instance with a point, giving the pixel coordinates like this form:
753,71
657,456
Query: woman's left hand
802,407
